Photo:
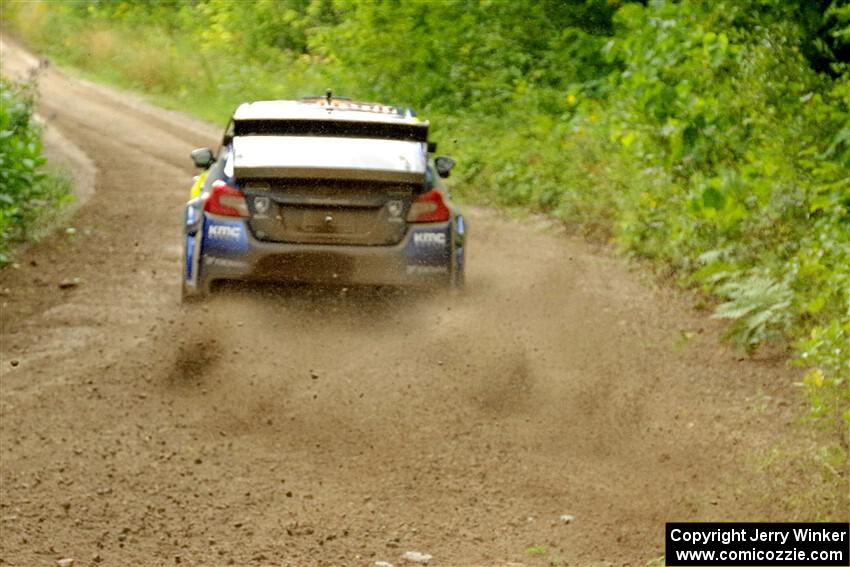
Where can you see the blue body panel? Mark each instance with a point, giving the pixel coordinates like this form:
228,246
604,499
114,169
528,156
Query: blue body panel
224,238
429,247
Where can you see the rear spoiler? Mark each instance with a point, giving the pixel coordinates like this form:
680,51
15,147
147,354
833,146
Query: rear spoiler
321,157
403,131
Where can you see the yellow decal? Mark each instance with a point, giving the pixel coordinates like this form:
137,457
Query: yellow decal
199,182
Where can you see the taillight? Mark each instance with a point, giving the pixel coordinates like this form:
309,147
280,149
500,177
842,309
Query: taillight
226,200
429,207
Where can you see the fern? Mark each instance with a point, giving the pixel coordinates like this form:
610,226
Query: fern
759,305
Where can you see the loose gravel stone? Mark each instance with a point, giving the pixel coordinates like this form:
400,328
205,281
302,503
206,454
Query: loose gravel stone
416,557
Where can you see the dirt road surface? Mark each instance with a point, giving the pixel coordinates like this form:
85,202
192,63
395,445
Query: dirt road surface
307,427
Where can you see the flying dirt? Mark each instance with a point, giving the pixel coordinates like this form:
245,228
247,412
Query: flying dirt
559,411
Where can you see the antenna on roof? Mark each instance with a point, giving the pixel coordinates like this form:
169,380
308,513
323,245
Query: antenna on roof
328,95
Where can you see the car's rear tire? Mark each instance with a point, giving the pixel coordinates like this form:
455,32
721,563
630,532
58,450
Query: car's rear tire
457,279
190,296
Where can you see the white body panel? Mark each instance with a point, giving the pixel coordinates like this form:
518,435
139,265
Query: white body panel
329,158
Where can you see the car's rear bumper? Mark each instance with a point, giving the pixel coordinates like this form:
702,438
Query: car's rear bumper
226,249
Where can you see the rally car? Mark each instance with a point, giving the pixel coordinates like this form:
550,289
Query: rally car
322,190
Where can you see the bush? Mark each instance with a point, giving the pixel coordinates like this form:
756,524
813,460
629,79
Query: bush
27,193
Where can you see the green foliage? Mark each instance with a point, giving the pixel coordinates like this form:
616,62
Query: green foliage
460,55
760,307
710,137
828,383
746,154
27,193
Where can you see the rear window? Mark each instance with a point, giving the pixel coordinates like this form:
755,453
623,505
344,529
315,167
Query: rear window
332,128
